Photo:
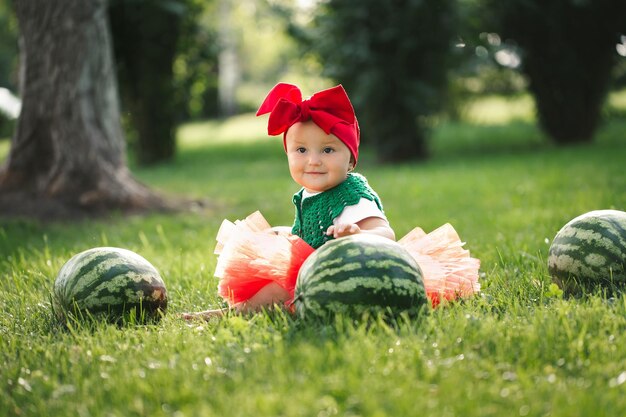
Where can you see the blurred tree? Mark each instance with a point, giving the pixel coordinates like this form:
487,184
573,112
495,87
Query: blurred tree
229,67
68,151
8,64
568,52
8,47
393,59
255,49
196,66
482,62
146,39
619,72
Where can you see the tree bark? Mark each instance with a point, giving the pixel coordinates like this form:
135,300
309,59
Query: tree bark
68,149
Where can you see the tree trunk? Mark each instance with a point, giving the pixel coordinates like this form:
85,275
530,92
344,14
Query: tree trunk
145,54
68,149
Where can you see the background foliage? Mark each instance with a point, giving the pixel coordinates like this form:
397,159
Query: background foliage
393,58
8,62
441,55
8,47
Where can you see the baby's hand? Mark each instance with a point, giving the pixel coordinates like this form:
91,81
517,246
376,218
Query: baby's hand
341,230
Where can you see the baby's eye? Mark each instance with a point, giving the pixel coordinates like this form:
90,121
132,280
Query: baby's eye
301,149
328,150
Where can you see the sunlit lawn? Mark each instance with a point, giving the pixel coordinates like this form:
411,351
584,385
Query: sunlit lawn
519,349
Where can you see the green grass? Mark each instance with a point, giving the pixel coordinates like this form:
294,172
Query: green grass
519,349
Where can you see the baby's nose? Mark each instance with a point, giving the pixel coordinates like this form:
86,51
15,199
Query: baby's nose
314,159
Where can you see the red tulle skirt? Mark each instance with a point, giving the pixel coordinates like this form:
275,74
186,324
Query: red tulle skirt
252,254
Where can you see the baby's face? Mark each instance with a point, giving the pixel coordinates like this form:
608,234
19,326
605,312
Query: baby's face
317,161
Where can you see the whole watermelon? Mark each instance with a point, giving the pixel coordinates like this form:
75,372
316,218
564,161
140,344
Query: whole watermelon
356,274
589,253
113,283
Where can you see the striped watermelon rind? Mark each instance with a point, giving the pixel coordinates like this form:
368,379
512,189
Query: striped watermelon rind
588,254
111,283
359,274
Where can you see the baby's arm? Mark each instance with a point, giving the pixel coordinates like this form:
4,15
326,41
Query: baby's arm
373,225
266,298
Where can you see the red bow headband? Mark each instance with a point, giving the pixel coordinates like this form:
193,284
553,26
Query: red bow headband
330,109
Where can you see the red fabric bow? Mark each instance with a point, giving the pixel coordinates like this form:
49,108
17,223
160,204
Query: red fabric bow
330,109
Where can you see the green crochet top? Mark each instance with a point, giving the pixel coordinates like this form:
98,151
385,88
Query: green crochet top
315,214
